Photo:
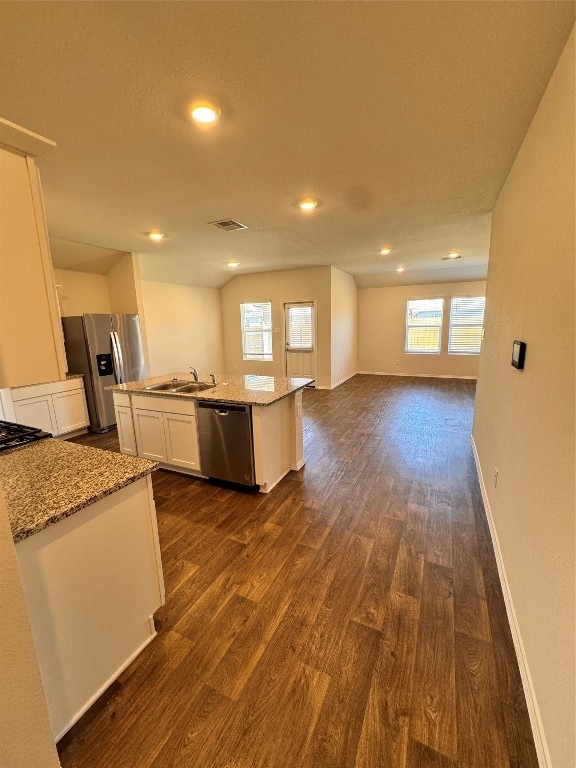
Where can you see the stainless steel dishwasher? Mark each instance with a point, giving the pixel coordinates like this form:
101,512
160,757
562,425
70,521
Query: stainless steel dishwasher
225,437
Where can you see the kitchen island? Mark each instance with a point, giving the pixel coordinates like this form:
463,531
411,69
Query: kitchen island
84,525
161,425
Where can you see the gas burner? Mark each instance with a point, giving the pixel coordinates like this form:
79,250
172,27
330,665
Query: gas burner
17,435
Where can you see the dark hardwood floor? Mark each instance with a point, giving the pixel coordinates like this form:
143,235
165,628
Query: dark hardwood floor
352,617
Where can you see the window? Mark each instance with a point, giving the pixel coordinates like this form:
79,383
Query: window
424,326
466,321
299,333
256,320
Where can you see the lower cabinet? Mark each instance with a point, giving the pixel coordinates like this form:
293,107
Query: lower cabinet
58,407
159,429
125,426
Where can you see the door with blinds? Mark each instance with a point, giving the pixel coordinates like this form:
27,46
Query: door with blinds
300,340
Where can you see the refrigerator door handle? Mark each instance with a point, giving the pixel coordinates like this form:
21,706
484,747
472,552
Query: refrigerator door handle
117,357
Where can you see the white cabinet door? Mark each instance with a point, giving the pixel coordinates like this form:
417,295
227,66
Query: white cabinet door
181,440
149,427
126,433
37,412
70,410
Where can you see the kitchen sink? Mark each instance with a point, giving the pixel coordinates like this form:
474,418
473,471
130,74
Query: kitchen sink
198,386
167,386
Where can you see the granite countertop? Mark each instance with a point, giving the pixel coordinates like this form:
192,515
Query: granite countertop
231,388
47,481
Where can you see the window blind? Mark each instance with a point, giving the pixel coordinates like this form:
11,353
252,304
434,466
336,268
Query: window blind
299,328
466,323
424,326
256,322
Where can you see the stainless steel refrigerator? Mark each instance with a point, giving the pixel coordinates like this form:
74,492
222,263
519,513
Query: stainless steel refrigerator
107,349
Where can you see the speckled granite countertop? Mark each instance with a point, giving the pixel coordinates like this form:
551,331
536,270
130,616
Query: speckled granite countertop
47,481
242,390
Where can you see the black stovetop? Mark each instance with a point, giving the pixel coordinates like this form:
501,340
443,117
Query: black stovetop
16,435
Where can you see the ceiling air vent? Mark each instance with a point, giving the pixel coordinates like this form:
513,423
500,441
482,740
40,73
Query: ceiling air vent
229,225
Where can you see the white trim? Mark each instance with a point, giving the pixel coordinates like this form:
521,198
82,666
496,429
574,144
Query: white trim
299,465
106,685
267,487
418,375
531,701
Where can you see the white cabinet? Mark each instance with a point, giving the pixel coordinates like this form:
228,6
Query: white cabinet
149,426
166,431
70,411
31,343
125,425
36,412
181,440
58,407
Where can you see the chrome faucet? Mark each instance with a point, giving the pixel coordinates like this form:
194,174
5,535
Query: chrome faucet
213,377
194,372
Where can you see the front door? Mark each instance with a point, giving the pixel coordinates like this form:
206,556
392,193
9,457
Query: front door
300,340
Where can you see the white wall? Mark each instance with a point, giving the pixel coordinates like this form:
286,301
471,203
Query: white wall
343,326
524,420
382,331
291,285
81,292
184,328
25,732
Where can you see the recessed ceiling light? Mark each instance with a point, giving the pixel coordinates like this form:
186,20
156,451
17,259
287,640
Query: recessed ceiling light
385,251
400,269
452,255
233,264
204,112
155,235
308,204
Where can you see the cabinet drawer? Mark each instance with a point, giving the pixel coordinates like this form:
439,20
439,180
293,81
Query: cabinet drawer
165,404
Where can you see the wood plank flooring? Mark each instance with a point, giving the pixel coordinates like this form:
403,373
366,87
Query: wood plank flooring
351,618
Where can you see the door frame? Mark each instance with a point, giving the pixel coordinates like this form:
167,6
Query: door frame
286,304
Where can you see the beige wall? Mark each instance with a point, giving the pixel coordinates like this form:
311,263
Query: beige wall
343,326
280,288
382,331
184,328
81,292
25,733
123,282
524,420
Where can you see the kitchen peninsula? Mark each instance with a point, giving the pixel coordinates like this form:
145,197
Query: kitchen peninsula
84,524
160,422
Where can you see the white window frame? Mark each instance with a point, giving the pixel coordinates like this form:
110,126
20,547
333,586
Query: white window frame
438,325
454,324
265,330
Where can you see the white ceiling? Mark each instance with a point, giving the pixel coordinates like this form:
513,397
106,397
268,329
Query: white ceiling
403,118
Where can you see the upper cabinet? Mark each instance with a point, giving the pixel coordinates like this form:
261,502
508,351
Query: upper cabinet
31,344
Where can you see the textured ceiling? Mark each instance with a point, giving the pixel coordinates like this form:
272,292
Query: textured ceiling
402,118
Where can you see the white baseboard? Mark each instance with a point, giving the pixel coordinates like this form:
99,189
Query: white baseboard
418,375
542,752
298,466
